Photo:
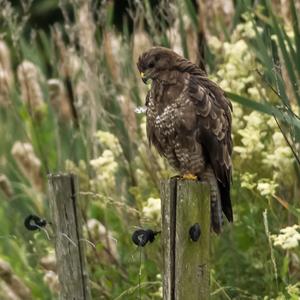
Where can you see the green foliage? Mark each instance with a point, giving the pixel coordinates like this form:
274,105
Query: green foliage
67,103
276,48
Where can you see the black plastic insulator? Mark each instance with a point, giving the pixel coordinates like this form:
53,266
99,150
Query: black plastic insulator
33,222
141,237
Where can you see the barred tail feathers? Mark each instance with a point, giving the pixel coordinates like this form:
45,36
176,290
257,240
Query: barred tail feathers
215,203
215,208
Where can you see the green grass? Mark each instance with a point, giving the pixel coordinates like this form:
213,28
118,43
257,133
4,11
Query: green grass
100,79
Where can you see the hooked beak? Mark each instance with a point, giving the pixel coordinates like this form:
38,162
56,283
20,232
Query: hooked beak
144,78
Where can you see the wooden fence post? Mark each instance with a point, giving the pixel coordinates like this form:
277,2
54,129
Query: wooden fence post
69,246
186,262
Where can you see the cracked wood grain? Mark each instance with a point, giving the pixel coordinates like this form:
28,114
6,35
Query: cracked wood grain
186,263
69,248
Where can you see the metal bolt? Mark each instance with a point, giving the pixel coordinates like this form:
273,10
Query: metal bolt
195,232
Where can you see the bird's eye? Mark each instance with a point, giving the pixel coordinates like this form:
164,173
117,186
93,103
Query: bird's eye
151,65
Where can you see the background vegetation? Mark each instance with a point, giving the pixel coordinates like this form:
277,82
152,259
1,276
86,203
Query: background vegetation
71,100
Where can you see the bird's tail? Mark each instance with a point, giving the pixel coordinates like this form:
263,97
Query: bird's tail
216,208
215,203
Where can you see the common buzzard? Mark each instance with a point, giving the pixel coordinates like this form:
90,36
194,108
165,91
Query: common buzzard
189,123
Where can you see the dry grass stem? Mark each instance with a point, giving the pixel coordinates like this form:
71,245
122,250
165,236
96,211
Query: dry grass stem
59,99
30,77
28,163
5,186
6,75
13,282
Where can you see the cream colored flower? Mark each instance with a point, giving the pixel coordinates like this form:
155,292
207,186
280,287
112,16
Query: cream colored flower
105,167
152,209
267,187
214,43
280,159
248,181
288,238
245,30
110,141
293,290
253,92
252,135
106,160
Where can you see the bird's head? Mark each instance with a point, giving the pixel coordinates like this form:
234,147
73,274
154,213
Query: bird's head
156,63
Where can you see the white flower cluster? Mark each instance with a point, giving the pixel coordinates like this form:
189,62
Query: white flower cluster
274,152
288,238
252,135
293,291
239,62
246,29
280,158
236,73
105,167
258,140
152,209
267,187
248,180
108,140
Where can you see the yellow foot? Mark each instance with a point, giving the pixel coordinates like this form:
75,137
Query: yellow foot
189,176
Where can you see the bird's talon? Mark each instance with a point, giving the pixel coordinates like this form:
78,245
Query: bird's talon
189,176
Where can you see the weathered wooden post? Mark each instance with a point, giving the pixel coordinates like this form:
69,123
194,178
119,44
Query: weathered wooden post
69,246
186,262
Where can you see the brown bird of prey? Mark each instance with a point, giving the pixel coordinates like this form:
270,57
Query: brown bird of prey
189,123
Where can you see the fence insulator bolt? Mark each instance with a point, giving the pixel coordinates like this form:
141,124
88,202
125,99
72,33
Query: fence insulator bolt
195,232
141,237
33,222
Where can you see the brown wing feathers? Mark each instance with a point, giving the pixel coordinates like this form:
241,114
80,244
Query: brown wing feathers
215,127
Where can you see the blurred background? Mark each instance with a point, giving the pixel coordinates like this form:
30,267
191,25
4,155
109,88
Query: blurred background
71,100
